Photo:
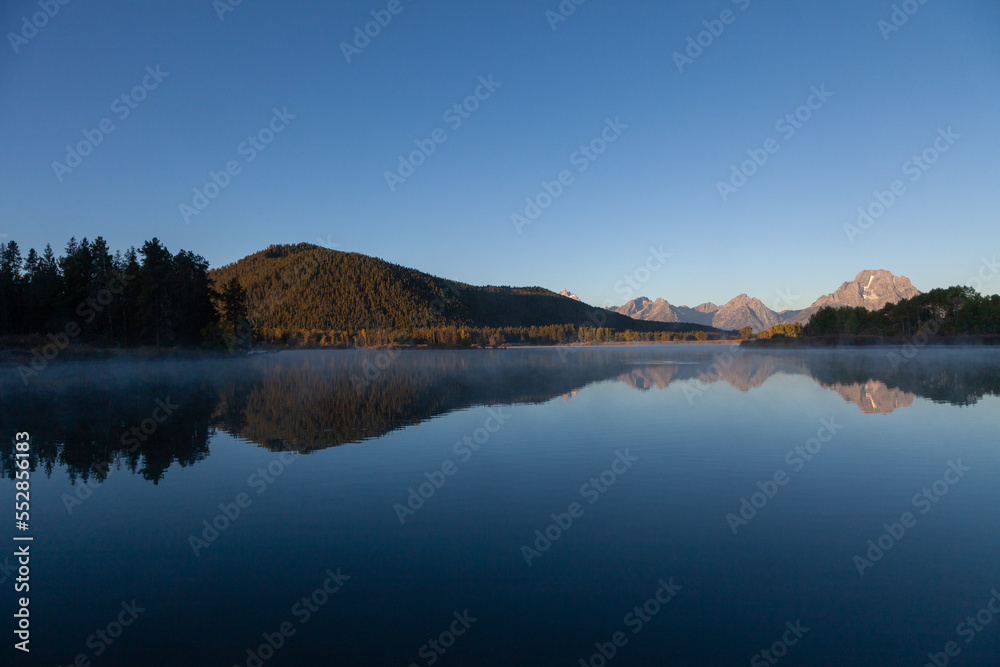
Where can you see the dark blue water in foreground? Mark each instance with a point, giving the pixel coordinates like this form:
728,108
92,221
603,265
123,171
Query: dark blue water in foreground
412,489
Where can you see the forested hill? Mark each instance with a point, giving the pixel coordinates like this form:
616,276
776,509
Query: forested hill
305,286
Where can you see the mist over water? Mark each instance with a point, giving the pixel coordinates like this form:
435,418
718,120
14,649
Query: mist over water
304,401
547,492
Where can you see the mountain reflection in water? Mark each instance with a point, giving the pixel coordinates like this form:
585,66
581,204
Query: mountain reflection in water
88,417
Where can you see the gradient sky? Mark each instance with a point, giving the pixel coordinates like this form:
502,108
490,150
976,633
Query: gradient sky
322,179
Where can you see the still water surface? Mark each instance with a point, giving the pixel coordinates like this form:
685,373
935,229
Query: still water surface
518,507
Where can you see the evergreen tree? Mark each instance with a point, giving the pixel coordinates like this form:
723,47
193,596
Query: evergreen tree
234,304
155,306
11,309
191,305
46,292
128,305
78,275
102,328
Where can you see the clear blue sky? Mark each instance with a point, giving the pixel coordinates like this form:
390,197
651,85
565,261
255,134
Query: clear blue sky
323,176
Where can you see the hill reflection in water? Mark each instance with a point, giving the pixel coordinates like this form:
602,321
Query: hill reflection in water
87,417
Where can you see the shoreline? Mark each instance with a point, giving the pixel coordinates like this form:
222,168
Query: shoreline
854,341
15,355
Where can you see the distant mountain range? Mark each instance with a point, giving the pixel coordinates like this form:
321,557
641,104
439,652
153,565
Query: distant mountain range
871,289
305,286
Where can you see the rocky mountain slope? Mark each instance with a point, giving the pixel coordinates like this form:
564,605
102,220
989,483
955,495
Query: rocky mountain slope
662,311
871,289
569,295
745,311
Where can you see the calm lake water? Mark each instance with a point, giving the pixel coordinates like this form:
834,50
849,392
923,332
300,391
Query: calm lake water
661,505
